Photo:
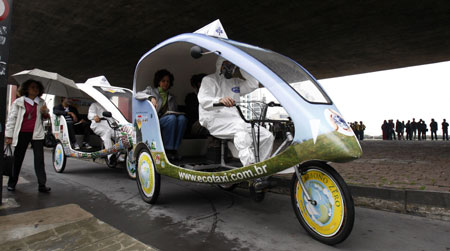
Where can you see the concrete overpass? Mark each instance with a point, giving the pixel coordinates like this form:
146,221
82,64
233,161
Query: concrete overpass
81,39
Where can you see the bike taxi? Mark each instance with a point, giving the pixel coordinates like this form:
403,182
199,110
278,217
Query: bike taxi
309,131
116,101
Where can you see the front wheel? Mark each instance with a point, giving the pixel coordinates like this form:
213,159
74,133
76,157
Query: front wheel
329,217
59,158
147,179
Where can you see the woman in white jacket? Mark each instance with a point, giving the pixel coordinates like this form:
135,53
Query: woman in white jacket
24,126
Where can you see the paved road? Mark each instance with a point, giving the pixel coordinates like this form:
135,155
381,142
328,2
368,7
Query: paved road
202,217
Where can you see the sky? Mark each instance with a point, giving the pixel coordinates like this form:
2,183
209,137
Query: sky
420,92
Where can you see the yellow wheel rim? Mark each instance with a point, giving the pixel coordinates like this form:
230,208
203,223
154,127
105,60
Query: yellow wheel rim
326,217
146,174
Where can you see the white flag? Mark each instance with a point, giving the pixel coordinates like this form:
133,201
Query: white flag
214,29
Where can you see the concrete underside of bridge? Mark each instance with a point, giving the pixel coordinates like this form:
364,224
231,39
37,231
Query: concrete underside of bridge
82,39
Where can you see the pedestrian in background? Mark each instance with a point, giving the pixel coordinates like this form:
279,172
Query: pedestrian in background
362,127
385,130
414,128
357,130
399,129
424,128
391,134
444,130
433,128
408,130
24,126
419,129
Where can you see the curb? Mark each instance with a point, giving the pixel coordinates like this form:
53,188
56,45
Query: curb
429,204
406,197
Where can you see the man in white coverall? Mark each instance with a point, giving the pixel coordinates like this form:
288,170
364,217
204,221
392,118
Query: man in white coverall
100,127
224,122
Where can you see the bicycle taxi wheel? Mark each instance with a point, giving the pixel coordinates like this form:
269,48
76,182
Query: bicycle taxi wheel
59,158
330,214
130,166
148,180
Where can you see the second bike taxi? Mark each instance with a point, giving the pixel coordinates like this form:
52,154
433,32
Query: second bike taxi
117,103
309,131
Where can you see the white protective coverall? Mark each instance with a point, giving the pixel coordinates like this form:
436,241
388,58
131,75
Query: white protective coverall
102,128
224,122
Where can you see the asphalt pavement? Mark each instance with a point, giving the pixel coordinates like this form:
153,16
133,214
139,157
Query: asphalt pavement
191,216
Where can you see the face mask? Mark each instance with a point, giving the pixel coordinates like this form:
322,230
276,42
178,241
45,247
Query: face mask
228,70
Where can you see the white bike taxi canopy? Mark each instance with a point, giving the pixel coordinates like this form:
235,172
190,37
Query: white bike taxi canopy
307,106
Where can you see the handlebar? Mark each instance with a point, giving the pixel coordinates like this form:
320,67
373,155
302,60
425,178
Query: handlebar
262,118
112,124
271,104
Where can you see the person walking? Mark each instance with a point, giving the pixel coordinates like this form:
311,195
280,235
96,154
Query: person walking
24,126
434,128
444,130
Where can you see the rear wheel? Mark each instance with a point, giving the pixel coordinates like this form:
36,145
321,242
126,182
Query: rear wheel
130,166
59,158
329,217
111,162
147,179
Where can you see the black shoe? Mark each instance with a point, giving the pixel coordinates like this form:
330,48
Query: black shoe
261,184
44,189
12,189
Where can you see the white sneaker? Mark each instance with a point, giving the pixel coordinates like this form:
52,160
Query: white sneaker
120,159
76,146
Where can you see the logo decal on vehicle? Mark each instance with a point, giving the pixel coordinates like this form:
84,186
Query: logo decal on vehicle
337,122
236,89
140,119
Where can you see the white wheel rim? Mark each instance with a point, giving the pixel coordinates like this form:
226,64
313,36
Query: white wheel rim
59,157
146,174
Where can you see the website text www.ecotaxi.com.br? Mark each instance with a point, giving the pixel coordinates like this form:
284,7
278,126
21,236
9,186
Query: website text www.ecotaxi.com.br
225,178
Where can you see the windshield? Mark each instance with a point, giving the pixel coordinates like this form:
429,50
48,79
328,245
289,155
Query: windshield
287,70
120,97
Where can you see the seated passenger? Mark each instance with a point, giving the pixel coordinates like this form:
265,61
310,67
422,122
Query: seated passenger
191,101
224,122
74,124
172,122
100,127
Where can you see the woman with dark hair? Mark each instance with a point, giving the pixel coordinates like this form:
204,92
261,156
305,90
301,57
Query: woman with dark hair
24,126
173,123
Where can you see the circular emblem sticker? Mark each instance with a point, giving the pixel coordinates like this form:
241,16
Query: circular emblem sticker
4,9
337,122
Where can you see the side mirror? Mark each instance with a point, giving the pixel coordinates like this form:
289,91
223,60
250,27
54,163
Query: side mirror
196,52
107,114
